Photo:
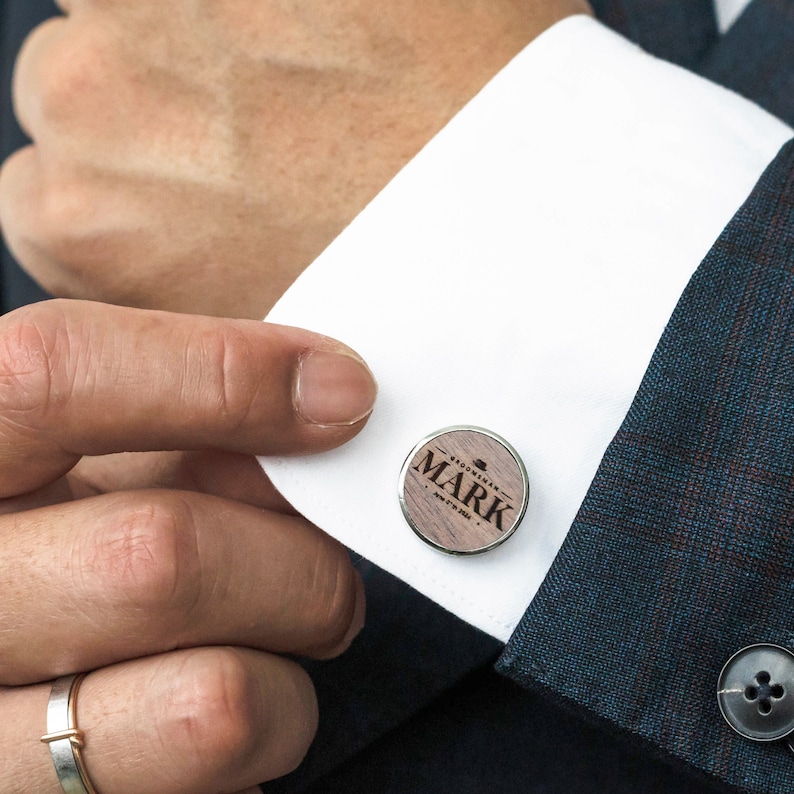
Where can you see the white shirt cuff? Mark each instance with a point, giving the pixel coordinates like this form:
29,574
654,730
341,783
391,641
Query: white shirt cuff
517,275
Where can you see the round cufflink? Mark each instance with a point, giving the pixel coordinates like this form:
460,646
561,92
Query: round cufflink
755,692
463,490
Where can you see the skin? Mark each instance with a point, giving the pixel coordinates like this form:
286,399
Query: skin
194,156
182,595
198,156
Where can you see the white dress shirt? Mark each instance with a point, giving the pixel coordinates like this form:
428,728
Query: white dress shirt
517,275
728,11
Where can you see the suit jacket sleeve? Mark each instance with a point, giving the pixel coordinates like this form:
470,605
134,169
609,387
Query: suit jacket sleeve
682,551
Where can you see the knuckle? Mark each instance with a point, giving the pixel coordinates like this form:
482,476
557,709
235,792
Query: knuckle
228,383
70,236
69,70
146,556
51,216
29,342
62,228
16,180
40,368
215,709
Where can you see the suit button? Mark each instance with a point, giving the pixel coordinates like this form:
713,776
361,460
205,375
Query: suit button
756,692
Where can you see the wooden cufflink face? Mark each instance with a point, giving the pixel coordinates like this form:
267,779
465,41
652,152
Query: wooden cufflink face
463,490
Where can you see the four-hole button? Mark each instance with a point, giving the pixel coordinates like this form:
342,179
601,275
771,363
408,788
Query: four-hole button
756,692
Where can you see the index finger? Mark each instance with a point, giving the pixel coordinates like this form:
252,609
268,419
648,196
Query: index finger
80,378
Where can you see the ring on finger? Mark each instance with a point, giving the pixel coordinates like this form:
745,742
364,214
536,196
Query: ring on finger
65,739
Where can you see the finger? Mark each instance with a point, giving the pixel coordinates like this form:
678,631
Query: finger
80,378
207,721
67,225
66,489
227,474
217,473
50,222
34,72
65,70
93,582
22,211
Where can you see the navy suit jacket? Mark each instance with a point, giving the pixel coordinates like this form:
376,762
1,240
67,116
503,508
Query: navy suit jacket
680,555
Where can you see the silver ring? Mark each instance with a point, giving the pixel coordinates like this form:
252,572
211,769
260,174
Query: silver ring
65,739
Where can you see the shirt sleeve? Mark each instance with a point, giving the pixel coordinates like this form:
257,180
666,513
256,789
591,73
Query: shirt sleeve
516,276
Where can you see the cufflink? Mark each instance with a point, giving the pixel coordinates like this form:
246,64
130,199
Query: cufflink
755,693
463,490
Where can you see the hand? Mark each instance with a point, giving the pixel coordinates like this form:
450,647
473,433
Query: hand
197,155
178,588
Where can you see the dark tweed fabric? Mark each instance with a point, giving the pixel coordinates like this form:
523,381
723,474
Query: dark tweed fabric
680,32
756,57
682,552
